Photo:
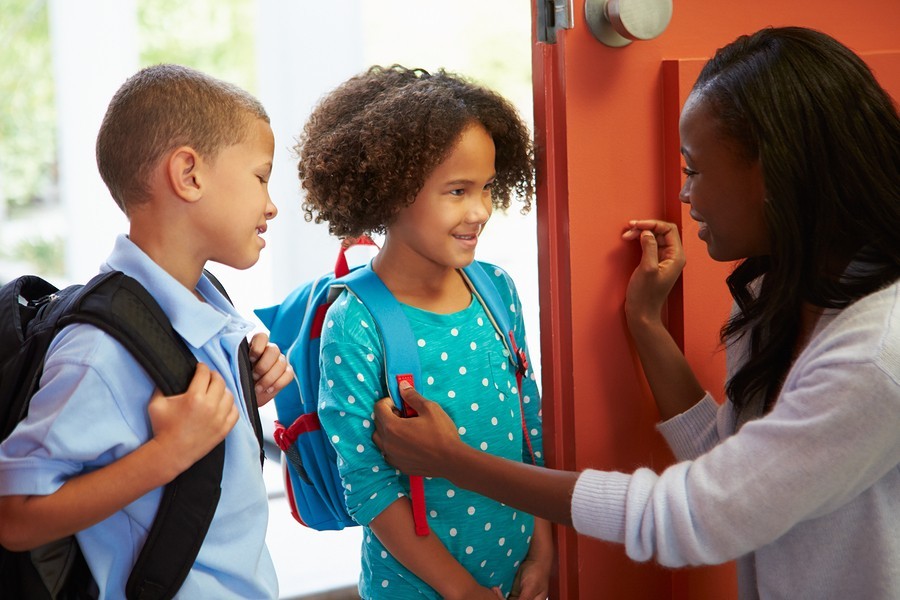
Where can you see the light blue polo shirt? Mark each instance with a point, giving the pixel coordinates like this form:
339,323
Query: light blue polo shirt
91,409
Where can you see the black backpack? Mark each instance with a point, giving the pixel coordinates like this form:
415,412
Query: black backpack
32,312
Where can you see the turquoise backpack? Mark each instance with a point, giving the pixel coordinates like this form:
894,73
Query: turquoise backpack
311,478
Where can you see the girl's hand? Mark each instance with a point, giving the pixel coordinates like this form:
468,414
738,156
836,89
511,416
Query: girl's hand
662,260
532,580
271,371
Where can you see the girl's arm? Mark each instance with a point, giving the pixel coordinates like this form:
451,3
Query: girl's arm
185,428
674,385
425,556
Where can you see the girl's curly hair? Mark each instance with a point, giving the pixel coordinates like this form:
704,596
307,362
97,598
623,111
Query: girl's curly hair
369,146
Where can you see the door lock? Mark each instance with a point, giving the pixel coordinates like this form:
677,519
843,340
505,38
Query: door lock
617,23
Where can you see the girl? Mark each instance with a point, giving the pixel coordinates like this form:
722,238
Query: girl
792,157
424,159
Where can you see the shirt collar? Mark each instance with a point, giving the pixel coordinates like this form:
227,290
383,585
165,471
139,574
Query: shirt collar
195,321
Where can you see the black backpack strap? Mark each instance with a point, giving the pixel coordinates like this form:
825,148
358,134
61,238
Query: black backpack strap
246,371
120,306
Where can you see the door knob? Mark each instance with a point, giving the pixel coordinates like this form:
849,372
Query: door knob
617,23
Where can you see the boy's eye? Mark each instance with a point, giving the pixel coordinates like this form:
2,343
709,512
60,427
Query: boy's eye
262,179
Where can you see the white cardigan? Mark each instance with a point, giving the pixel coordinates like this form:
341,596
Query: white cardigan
806,498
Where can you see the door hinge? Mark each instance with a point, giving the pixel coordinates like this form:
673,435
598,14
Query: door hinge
553,16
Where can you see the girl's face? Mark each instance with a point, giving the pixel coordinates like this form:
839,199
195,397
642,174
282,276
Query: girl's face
726,192
444,221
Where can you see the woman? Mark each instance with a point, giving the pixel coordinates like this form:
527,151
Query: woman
792,158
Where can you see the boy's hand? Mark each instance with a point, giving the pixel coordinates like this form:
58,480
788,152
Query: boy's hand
191,424
271,371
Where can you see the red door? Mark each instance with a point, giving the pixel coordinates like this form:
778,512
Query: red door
606,124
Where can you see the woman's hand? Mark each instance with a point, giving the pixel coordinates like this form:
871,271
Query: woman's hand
662,260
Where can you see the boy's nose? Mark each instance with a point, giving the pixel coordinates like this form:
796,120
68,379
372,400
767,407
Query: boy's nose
271,210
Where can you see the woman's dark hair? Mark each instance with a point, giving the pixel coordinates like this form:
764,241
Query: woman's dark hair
369,146
827,137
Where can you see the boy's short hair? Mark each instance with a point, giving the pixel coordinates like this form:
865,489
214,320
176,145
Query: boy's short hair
159,109
369,146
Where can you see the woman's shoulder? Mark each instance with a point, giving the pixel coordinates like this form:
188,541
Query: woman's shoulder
866,331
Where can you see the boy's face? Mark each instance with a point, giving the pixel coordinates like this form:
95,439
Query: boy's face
237,202
442,225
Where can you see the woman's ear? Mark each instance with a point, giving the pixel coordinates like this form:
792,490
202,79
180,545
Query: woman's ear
183,172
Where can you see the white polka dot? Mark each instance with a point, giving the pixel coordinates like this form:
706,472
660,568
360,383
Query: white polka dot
515,514
375,468
451,493
337,360
430,380
364,324
487,526
512,308
331,383
384,583
462,370
335,439
360,448
526,399
443,356
383,554
480,321
513,390
511,437
343,413
360,377
516,565
523,529
351,399
497,272
321,405
474,406
453,532
537,454
501,541
370,357
330,324
509,552
367,423
421,343
501,396
473,345
471,510
484,446
373,496
534,432
454,332
484,562
433,514
462,431
493,420
469,549
451,394
485,382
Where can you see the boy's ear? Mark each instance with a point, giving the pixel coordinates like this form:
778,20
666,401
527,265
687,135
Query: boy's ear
183,172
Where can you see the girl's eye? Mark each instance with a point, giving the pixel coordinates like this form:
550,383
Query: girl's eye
457,192
488,186
688,172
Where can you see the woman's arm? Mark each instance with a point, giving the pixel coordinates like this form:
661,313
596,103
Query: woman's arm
429,445
674,385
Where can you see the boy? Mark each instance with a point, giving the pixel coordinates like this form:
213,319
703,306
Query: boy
187,158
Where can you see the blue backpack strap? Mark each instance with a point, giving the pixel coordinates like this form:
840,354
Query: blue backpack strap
401,355
401,358
485,290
